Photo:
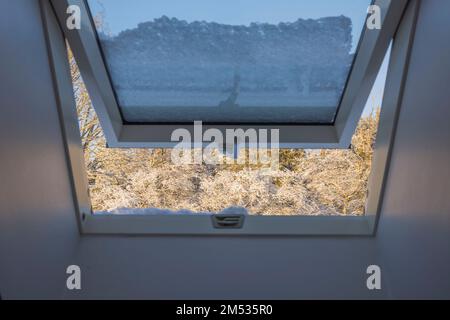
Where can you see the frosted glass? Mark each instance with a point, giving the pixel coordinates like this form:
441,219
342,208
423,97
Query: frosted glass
236,61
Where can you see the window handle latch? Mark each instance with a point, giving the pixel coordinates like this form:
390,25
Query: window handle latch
228,221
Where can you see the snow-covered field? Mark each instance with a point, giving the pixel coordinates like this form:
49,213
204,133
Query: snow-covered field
158,211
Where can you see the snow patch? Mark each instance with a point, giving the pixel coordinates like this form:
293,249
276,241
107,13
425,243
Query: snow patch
158,211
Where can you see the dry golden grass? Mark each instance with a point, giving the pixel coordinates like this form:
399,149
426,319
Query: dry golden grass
308,182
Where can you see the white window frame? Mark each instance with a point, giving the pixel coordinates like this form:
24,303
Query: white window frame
371,49
122,135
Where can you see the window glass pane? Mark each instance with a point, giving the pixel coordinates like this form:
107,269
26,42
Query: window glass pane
229,61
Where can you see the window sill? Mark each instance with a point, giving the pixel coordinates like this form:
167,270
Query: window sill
202,225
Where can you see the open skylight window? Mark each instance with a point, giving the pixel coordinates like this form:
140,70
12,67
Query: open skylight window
229,61
304,68
120,133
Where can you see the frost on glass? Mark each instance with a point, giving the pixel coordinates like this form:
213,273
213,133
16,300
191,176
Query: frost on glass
169,69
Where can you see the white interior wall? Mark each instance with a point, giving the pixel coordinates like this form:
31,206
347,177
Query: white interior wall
226,268
414,231
38,231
